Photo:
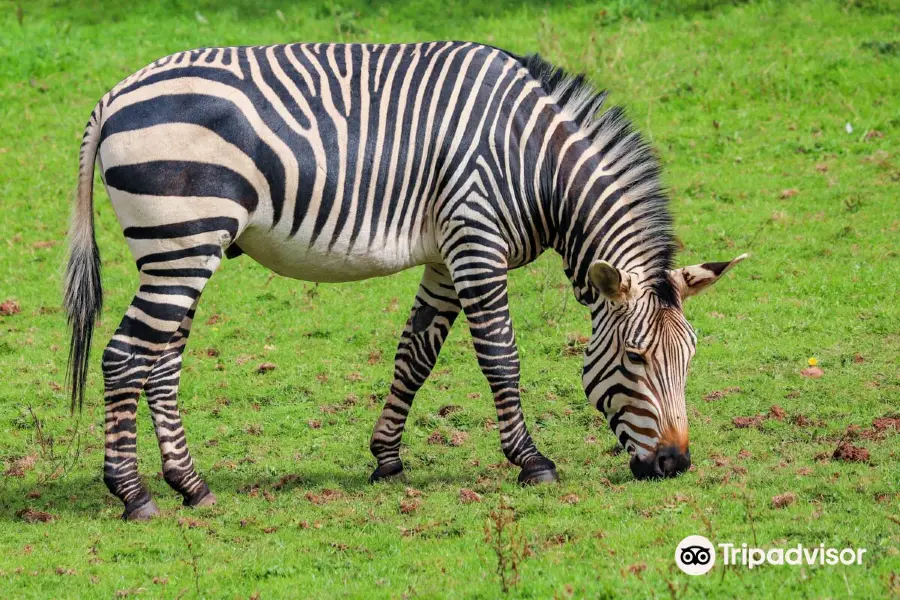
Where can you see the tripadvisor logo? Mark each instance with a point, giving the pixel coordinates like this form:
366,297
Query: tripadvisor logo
695,555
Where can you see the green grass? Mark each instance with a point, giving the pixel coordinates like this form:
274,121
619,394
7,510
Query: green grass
742,100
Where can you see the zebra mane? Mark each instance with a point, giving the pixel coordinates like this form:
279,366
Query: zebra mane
637,169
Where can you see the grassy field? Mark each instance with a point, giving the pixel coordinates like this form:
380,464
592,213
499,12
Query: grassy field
779,126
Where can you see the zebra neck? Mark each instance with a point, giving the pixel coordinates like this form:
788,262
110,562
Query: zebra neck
612,209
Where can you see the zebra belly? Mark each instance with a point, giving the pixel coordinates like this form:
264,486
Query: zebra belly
298,258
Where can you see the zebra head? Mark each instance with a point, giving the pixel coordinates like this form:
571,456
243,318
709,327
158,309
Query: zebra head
636,364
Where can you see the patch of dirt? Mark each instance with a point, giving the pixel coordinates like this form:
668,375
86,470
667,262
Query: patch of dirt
575,344
637,568
325,497
745,454
777,413
555,540
392,306
720,461
887,422
802,421
719,394
215,318
413,493
458,438
19,466
784,500
467,496
375,357
448,409
192,523
30,515
265,367
314,424
847,452
410,506
9,308
570,499
286,481
788,193
436,438
812,372
746,422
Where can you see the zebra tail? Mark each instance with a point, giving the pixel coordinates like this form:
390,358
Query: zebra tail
83,297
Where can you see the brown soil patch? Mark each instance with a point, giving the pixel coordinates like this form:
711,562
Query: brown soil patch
29,515
467,496
448,409
325,497
746,422
719,394
784,500
849,453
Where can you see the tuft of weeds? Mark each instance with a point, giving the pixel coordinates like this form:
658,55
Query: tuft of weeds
507,541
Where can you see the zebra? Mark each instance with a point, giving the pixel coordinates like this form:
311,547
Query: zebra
341,162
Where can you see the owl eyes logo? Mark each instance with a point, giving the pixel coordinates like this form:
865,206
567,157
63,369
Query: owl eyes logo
695,555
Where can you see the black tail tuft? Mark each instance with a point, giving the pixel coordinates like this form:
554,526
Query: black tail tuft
83,301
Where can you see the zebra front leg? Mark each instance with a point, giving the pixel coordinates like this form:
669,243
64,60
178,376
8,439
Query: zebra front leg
161,391
481,282
435,308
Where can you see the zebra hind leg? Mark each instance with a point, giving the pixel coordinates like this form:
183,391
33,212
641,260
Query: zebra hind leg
161,391
432,315
145,352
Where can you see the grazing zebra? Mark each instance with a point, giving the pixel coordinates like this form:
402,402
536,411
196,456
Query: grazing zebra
340,162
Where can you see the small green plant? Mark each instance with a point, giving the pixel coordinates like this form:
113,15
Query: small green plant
853,204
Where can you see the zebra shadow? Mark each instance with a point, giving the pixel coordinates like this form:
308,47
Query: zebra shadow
80,496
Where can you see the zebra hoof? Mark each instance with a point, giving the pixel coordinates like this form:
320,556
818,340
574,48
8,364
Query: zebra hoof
543,471
144,512
208,500
389,472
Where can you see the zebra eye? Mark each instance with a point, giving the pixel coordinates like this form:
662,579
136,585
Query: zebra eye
635,358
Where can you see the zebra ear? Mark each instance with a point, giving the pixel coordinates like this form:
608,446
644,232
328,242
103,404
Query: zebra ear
614,284
696,278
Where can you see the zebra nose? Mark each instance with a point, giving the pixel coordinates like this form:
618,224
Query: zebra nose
670,461
667,461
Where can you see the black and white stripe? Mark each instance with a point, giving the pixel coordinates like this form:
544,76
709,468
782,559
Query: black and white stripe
337,162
